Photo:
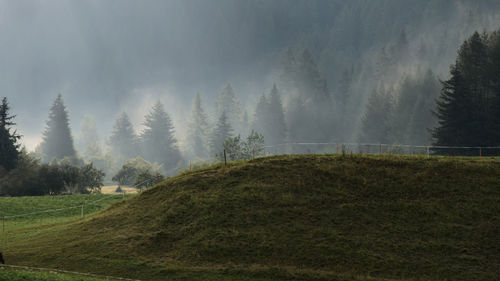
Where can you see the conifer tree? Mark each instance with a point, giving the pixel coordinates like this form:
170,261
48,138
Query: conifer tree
9,148
467,109
158,141
221,132
198,130
57,141
123,140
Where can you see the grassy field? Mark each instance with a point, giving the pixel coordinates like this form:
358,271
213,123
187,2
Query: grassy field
20,212
305,217
111,189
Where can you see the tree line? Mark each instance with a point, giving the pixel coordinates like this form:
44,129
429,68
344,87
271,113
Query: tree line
463,110
22,174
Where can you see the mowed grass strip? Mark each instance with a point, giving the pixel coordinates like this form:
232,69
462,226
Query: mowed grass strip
307,217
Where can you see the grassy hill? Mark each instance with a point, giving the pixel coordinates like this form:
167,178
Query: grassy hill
306,217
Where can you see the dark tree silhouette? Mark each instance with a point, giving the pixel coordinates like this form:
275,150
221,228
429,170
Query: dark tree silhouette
9,148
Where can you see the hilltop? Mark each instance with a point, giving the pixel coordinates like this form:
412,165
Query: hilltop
306,217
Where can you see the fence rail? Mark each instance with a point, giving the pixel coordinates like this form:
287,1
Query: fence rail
379,148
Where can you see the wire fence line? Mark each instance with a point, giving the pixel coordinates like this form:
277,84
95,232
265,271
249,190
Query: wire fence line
51,270
379,148
79,206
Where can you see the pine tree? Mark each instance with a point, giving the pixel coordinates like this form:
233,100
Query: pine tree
466,108
57,141
221,132
158,141
123,140
453,109
9,148
198,129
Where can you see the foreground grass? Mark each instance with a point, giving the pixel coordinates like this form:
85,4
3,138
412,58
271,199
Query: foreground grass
14,275
291,218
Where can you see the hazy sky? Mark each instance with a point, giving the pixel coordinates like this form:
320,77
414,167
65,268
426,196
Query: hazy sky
108,56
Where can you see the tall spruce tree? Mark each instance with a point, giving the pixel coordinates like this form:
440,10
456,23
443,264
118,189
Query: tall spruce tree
198,130
467,109
220,133
158,142
57,141
123,140
9,148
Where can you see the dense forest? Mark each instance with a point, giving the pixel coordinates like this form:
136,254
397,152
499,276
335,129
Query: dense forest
285,72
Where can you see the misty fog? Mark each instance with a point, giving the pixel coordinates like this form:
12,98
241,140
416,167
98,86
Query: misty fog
110,57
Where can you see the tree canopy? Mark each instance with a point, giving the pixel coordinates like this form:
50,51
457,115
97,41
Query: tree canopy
468,109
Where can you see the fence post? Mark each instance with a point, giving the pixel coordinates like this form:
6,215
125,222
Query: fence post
3,223
427,151
337,148
82,211
379,148
480,153
225,159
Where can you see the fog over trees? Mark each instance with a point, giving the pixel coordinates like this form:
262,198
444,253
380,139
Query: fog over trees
57,141
171,81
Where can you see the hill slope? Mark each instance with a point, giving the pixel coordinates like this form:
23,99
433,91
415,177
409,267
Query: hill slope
298,217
